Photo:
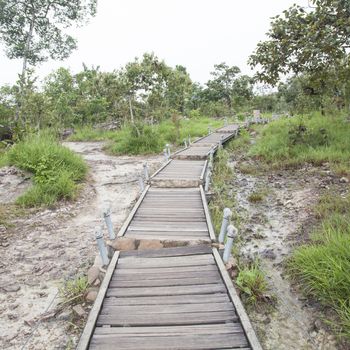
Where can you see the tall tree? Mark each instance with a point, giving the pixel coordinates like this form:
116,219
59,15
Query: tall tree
311,41
33,30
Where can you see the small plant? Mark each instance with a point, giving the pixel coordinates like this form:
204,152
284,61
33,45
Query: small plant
251,281
56,169
256,197
74,290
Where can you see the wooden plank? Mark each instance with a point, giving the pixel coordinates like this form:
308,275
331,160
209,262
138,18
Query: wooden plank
167,282
226,328
177,251
93,315
116,320
154,291
182,342
161,168
247,326
168,300
164,276
132,213
167,269
109,309
207,215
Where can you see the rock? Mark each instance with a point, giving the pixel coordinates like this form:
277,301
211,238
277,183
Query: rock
317,325
11,288
79,310
91,296
344,180
97,282
124,244
92,274
150,244
65,315
269,254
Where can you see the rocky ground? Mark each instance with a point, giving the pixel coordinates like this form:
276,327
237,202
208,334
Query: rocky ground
270,227
41,249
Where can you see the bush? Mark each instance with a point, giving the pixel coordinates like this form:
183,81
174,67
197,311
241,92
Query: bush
56,169
322,267
315,139
251,281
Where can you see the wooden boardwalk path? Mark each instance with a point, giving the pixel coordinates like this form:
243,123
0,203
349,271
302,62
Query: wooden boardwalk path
172,298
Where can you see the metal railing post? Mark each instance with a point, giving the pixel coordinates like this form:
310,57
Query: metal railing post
231,233
224,225
165,152
142,184
189,140
207,181
168,150
145,171
185,143
108,221
101,246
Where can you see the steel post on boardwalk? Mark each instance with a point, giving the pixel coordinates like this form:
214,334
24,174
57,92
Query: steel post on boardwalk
101,246
224,225
145,171
108,221
207,181
231,234
166,156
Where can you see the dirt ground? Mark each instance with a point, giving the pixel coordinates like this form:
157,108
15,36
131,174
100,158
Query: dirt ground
41,249
270,228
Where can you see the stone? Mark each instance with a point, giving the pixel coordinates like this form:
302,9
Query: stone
91,296
65,315
92,274
79,310
344,180
150,244
11,288
124,244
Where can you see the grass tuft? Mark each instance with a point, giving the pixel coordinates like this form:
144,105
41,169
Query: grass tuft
252,283
322,267
56,170
314,139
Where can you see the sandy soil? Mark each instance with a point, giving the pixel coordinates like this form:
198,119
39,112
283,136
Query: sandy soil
44,248
270,229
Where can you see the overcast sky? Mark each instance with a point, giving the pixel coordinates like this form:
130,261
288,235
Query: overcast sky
193,33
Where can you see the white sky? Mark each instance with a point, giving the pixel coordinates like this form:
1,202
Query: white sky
193,33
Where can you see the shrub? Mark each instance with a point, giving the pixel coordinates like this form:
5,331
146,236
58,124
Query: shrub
251,281
56,169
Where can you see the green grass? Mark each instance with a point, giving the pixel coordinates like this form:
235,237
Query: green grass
256,197
148,139
88,133
56,169
252,283
73,291
322,266
222,197
314,139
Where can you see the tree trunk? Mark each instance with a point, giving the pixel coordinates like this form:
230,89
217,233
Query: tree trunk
131,112
24,68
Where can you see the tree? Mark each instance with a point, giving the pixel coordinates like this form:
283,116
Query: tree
32,30
305,41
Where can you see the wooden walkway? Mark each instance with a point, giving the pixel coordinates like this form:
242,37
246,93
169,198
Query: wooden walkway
173,298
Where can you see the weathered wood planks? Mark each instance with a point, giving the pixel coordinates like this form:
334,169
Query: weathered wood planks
185,308
173,298
170,214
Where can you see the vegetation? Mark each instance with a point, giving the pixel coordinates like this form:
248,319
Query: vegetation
252,283
56,170
311,139
74,290
321,267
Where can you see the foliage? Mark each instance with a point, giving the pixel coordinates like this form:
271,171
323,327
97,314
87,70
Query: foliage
252,283
322,266
56,170
304,41
33,29
314,138
74,290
